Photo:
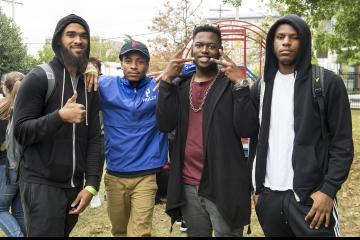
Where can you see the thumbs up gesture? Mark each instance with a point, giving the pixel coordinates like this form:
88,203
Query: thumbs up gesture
72,112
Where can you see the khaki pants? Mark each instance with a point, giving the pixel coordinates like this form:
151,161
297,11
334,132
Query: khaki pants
131,204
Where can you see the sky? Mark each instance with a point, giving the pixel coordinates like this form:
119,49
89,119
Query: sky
109,19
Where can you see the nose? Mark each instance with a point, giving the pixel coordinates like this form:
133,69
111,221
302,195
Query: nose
133,65
205,49
77,39
287,41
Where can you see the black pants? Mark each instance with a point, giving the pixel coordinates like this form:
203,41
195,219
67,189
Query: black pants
46,210
280,215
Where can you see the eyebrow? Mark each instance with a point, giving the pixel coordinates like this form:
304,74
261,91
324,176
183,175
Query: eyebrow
136,59
291,34
74,32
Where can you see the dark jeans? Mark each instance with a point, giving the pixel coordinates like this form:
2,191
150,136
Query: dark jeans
202,217
46,210
280,215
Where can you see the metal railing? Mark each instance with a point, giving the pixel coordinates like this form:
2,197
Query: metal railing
352,84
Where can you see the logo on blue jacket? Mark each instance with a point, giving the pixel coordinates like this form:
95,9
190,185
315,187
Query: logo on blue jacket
148,97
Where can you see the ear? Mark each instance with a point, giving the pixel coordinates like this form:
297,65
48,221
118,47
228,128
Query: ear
121,63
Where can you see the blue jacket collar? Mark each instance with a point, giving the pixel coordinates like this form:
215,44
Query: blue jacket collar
141,84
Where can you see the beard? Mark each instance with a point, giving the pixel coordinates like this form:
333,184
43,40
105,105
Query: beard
79,62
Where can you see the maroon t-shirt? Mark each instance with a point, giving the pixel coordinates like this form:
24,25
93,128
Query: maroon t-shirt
194,149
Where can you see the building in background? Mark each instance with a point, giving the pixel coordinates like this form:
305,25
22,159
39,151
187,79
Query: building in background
111,69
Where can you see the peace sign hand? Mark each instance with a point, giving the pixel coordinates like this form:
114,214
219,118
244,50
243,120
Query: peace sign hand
230,69
174,67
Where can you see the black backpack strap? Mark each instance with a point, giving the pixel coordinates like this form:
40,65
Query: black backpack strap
318,94
51,80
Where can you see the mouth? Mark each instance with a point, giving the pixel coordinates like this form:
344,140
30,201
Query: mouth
78,50
285,52
133,74
204,59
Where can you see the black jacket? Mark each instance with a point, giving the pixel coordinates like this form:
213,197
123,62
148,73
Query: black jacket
49,142
318,164
228,116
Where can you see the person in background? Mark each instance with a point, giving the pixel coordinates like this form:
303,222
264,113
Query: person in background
12,223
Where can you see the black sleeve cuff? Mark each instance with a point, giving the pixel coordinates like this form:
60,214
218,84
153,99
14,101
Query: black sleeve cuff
93,181
238,93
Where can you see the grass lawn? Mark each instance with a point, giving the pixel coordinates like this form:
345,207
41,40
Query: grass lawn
95,223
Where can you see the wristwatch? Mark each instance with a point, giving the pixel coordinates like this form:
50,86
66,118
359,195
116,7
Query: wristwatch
243,83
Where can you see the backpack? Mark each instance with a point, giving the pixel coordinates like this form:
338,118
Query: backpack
13,148
319,96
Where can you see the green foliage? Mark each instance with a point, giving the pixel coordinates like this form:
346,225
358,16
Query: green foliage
46,54
13,53
335,25
235,3
105,50
30,62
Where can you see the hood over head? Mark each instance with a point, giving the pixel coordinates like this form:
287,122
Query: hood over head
303,60
56,41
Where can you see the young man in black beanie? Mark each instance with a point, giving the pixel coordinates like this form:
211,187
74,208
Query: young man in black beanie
61,136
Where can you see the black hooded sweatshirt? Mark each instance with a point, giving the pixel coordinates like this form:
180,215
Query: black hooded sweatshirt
57,153
318,164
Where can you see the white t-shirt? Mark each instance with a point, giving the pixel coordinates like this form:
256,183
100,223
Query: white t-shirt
279,170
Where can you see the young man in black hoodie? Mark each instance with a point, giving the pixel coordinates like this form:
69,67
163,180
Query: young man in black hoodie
61,136
298,169
211,111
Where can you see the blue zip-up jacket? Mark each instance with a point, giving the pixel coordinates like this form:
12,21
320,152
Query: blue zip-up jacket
133,143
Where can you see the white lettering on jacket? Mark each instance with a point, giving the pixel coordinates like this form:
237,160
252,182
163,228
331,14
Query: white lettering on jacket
148,98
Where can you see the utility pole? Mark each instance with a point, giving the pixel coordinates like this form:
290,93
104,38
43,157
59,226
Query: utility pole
13,6
220,10
237,16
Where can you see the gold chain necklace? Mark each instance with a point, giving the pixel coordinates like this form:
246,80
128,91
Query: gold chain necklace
205,95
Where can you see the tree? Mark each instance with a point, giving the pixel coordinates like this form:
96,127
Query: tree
335,24
46,54
105,50
235,3
13,53
175,24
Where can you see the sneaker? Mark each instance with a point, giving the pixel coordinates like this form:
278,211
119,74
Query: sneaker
183,226
179,221
95,202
